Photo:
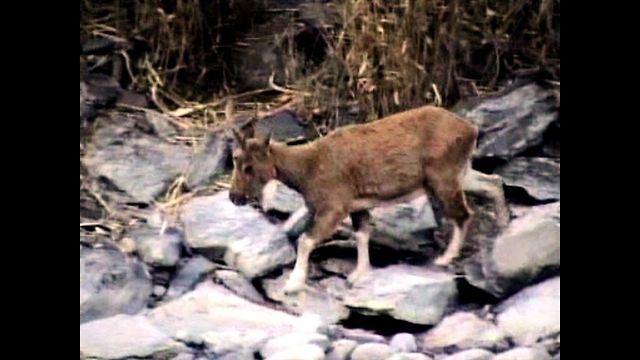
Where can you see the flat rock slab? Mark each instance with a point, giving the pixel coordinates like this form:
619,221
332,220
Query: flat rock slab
213,315
124,336
408,293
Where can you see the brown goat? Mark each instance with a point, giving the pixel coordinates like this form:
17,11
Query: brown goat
358,167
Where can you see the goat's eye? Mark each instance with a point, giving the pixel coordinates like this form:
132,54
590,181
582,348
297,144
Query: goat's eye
248,169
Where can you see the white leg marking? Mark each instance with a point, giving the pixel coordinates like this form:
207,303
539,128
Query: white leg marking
298,276
363,265
453,250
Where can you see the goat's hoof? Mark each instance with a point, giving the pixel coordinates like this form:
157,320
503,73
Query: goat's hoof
356,275
293,286
443,262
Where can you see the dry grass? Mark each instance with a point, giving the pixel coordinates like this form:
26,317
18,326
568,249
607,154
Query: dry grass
384,56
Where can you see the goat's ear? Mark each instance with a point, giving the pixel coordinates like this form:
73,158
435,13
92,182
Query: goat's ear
248,130
238,136
266,139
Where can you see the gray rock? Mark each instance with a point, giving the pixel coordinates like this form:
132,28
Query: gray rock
539,177
124,336
283,125
523,353
531,314
529,246
239,234
97,91
161,123
320,299
299,352
409,356
257,256
235,355
184,356
404,226
338,265
223,321
471,354
362,336
159,290
341,349
403,343
512,121
157,249
278,344
140,164
188,275
231,341
464,331
278,197
210,160
404,292
372,351
239,285
110,284
551,345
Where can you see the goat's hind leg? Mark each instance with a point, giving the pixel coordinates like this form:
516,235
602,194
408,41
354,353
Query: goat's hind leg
489,186
448,191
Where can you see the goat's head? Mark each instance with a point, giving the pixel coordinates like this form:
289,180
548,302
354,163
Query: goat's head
253,166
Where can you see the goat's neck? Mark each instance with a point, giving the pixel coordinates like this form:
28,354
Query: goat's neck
293,163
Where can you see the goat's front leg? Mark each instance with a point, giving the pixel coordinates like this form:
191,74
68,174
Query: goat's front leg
324,225
362,229
298,276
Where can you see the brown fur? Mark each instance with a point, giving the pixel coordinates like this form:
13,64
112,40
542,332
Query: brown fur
358,167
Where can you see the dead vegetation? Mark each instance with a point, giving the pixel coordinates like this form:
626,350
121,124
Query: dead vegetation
370,58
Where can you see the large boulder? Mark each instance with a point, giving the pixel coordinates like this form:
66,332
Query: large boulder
527,249
138,163
241,235
538,177
513,120
532,314
110,284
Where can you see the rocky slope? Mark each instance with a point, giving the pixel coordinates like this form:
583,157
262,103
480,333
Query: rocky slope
205,280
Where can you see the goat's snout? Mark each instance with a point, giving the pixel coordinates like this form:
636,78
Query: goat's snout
237,199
